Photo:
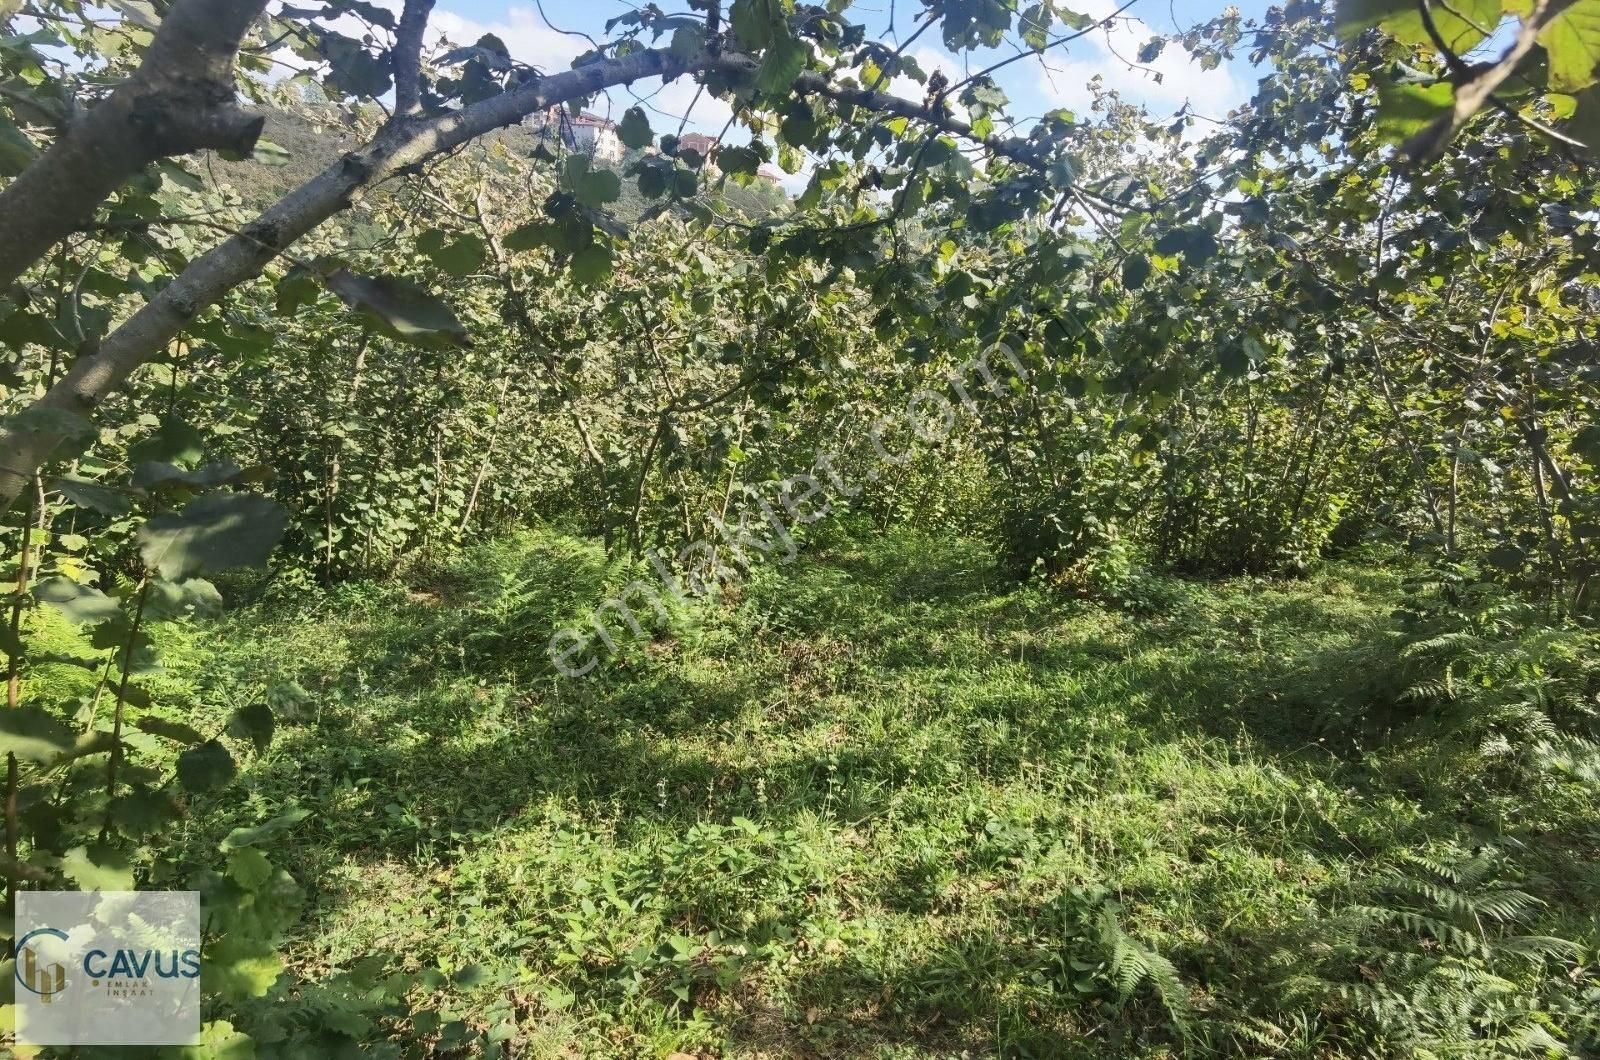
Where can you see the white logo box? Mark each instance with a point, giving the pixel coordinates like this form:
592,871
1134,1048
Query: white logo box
108,967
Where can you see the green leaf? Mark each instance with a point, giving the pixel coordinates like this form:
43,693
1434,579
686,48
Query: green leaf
261,833
752,23
16,150
249,867
1461,23
354,71
98,867
591,264
215,532
1506,557
459,256
205,768
1195,244
156,473
254,723
1135,271
470,976
378,16
688,43
1035,26
141,811
79,604
653,181
734,159
1585,124
107,500
1586,443
46,419
1572,41
634,129
265,153
32,735
175,441
598,187
799,126
175,731
400,309
241,968
219,1041
297,288
530,236
174,600
785,58
1407,108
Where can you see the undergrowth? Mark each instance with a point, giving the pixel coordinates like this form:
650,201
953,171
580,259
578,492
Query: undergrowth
883,803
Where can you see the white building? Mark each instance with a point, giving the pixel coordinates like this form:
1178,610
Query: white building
585,133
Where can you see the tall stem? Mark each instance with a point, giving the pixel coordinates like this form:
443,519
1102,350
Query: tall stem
122,696
331,492
14,687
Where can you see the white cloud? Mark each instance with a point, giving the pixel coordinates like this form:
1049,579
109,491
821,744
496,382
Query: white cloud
525,34
527,37
1165,84
667,107
530,40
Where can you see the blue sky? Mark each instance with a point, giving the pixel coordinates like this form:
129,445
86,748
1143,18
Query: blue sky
1032,89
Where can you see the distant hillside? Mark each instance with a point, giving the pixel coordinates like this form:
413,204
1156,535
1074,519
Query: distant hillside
312,147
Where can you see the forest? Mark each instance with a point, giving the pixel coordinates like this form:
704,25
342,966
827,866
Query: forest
782,529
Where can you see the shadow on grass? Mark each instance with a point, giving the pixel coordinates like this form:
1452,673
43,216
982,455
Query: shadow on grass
879,696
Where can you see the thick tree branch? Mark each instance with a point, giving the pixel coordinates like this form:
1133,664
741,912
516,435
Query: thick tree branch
181,99
408,56
404,144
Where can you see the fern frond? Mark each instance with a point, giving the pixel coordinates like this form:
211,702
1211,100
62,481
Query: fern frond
1132,963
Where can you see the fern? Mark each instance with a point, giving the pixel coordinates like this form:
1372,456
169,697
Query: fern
1132,963
1434,958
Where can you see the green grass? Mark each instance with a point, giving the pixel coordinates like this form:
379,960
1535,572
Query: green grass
879,803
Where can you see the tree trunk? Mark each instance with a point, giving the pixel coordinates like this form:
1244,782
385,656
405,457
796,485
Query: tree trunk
488,455
180,100
331,493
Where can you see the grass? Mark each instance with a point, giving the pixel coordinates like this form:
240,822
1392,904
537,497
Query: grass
878,803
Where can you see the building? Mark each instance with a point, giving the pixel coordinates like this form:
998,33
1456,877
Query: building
584,133
702,145
697,142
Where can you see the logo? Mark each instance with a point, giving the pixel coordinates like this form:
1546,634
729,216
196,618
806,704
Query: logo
125,973
46,980
108,967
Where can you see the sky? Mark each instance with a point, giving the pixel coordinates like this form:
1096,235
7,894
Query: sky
1032,89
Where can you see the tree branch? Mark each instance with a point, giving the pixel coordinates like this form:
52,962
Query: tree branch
181,99
935,116
401,146
408,56
1475,86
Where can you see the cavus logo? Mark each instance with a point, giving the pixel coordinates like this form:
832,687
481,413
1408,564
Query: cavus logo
47,979
107,968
